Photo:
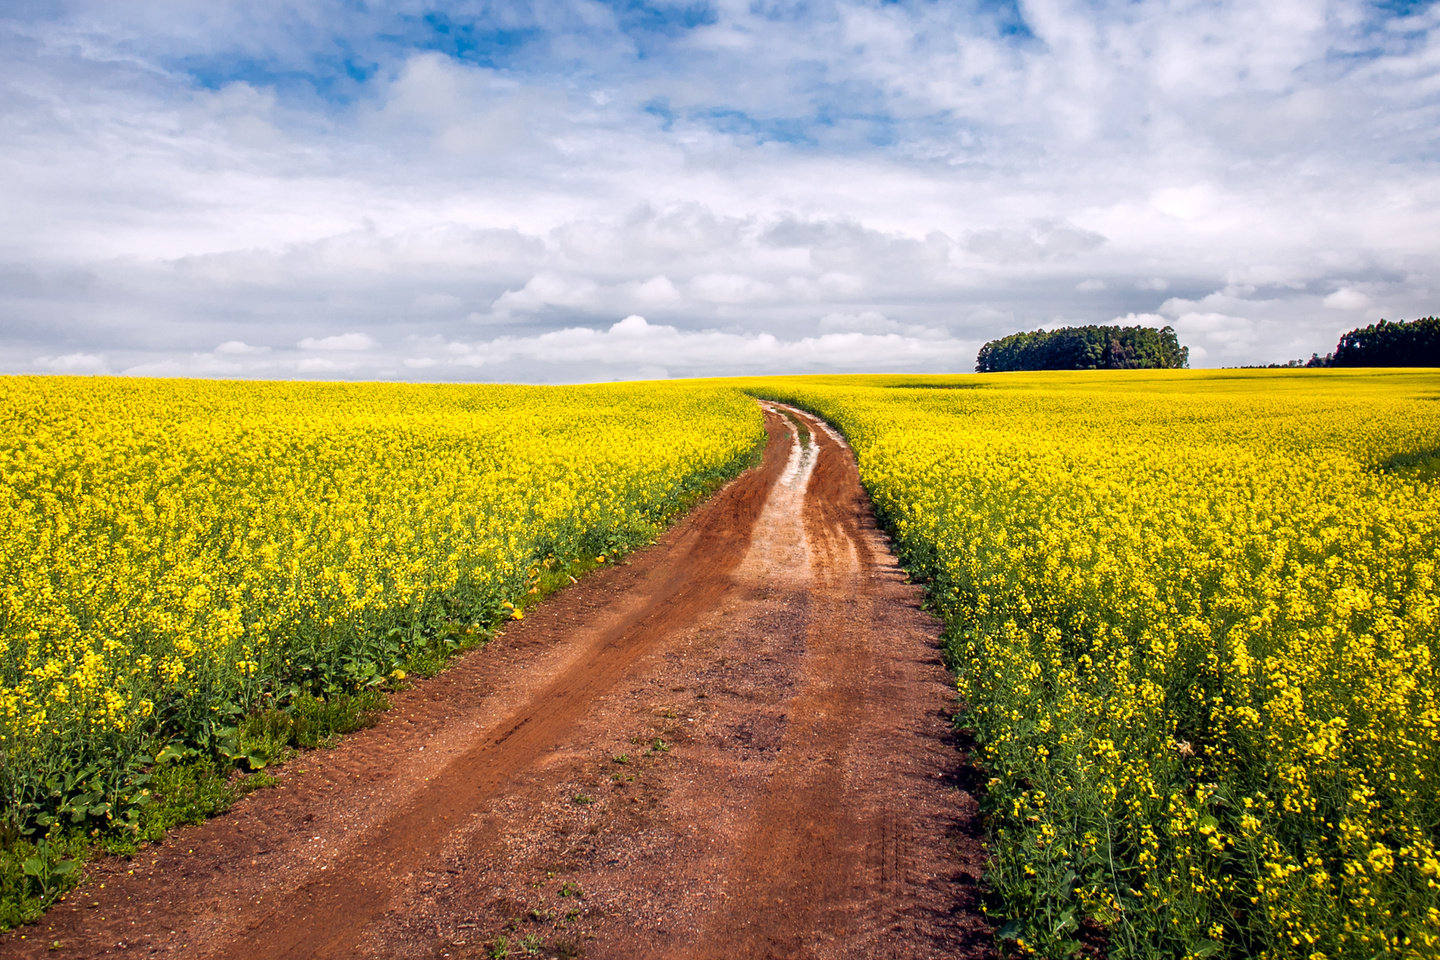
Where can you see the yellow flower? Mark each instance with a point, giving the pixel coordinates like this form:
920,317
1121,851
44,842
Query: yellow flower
167,541
1198,611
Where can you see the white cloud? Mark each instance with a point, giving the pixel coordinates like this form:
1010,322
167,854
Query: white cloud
340,341
546,290
73,363
636,326
941,174
1347,298
1186,203
634,343
196,365
1229,329
322,365
658,291
731,288
239,348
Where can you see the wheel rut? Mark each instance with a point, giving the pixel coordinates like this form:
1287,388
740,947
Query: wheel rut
735,744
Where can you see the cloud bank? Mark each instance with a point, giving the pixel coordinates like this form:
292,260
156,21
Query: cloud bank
578,191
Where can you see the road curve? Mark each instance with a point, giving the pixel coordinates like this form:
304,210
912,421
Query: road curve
736,744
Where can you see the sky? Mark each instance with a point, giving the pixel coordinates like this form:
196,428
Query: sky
572,191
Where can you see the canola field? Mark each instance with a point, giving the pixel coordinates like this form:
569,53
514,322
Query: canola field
1193,616
1194,622
175,556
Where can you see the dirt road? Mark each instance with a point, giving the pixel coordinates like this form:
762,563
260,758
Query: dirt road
735,745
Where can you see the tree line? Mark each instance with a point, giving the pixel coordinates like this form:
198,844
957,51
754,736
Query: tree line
1414,343
1085,348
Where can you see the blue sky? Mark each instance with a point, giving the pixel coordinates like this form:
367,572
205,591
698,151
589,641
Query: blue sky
560,190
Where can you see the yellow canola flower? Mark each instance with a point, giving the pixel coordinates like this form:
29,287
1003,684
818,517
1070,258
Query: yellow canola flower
171,547
1193,616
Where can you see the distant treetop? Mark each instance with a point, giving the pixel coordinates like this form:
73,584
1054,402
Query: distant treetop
1085,348
1387,344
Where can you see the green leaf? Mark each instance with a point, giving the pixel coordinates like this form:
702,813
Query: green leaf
63,868
34,867
173,751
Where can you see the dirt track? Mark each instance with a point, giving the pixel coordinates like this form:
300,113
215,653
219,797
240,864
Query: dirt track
734,745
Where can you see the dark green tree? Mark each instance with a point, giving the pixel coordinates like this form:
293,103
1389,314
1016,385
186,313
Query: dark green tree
1385,344
1085,348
